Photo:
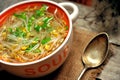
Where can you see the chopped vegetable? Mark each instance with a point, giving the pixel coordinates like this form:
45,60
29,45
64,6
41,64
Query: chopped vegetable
19,33
30,23
47,19
45,40
38,28
21,15
41,11
10,30
36,39
67,27
37,51
44,25
32,47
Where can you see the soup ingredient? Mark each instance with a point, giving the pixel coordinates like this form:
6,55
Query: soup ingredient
45,40
31,34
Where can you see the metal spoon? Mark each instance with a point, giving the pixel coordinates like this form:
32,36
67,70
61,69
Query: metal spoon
95,52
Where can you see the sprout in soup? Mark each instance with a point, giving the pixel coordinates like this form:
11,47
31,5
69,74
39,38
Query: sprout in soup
31,34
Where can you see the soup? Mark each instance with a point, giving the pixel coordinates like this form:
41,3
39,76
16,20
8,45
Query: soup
31,34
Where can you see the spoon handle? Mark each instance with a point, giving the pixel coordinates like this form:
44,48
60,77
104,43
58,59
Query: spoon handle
80,76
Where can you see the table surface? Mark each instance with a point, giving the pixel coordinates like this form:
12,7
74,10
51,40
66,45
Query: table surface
111,70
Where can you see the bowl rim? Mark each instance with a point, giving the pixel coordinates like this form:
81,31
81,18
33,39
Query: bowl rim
55,51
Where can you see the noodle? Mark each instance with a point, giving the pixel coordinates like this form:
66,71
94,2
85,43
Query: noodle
31,34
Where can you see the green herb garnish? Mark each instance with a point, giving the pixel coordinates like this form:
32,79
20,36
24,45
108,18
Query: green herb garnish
44,25
18,32
32,47
21,15
45,40
38,28
41,11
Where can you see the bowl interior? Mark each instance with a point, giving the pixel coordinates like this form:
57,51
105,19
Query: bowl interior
53,8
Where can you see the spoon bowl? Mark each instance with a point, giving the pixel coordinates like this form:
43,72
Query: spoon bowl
96,52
